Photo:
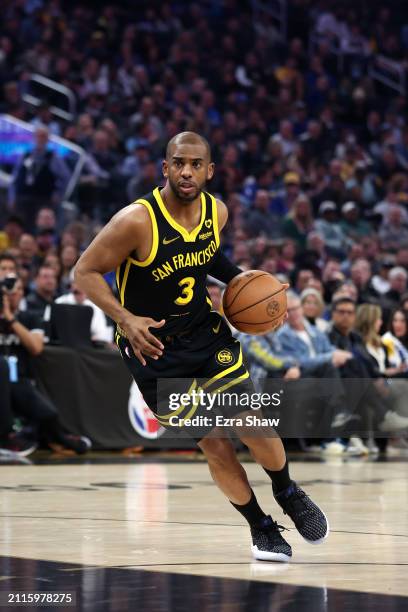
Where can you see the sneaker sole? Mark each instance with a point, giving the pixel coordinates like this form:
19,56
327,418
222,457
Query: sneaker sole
320,540
263,555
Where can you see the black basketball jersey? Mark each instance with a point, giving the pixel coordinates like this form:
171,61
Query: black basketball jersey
171,283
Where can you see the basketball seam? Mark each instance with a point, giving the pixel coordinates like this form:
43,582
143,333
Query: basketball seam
243,287
258,302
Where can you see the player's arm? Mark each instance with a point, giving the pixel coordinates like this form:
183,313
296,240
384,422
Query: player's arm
126,232
222,268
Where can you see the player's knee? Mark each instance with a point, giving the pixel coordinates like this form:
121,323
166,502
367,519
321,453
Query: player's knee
217,450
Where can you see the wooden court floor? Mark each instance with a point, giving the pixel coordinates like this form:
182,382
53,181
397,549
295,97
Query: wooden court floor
155,534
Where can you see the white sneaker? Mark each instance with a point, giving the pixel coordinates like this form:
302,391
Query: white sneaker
333,448
397,448
393,422
372,447
356,446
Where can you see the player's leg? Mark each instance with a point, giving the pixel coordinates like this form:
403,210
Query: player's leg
230,477
308,518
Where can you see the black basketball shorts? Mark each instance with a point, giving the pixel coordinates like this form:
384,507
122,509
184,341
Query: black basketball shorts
206,359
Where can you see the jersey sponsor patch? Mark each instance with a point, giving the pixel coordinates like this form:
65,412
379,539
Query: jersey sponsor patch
224,357
205,235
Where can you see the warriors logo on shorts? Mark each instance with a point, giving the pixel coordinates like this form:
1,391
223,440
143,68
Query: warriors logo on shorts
224,357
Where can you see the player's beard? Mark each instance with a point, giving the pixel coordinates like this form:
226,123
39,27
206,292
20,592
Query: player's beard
183,197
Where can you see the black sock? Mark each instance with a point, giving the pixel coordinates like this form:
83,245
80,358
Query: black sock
280,478
251,511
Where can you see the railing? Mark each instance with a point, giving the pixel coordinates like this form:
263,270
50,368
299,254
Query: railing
390,73
60,99
20,134
277,9
380,68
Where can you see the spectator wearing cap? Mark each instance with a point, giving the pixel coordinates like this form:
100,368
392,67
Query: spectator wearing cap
330,230
393,232
282,203
361,186
352,225
299,222
380,281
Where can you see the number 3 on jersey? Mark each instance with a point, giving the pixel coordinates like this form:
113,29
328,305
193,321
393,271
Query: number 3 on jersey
187,294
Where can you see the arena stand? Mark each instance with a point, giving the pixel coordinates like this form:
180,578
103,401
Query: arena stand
307,129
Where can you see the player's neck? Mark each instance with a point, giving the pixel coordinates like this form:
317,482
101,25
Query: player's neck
178,209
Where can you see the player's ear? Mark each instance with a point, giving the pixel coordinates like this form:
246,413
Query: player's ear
165,168
210,171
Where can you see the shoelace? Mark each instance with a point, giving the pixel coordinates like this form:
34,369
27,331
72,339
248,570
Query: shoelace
273,526
297,499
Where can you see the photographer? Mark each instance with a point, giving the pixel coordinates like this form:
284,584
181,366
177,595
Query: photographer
21,337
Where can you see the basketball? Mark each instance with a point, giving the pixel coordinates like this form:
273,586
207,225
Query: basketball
254,302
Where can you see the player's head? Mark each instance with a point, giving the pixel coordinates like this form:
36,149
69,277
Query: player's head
188,165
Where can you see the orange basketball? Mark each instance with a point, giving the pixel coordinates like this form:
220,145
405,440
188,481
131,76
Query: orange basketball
255,302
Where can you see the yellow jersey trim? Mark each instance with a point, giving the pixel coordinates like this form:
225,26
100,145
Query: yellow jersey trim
155,237
124,281
187,236
215,219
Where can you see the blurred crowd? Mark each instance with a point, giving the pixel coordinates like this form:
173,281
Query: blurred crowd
311,156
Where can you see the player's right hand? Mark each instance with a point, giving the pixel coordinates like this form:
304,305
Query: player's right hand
142,340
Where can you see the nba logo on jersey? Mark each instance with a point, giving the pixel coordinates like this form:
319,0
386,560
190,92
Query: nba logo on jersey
142,418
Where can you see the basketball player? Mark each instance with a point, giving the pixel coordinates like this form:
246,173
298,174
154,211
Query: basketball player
163,246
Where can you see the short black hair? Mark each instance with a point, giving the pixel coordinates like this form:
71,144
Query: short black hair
188,138
343,300
8,257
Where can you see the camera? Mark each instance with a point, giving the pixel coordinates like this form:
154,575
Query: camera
7,285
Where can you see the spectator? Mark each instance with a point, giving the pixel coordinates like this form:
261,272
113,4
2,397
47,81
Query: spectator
390,300
100,330
313,308
259,220
44,292
317,359
380,280
299,222
366,391
368,323
282,203
393,231
264,362
396,338
361,276
22,337
351,224
40,179
14,229
330,230
69,257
